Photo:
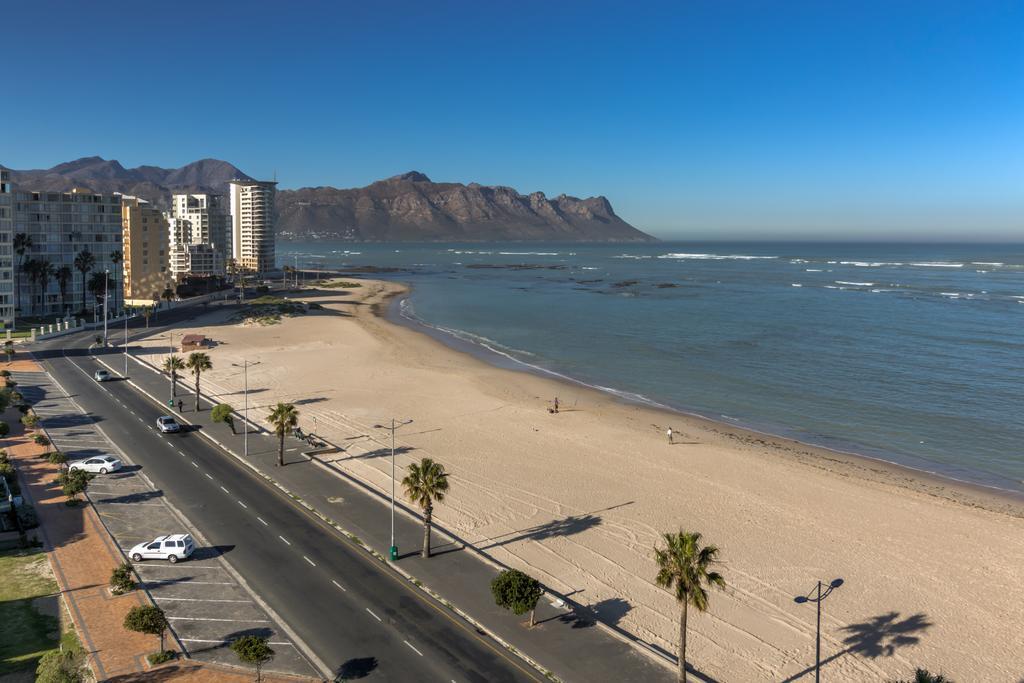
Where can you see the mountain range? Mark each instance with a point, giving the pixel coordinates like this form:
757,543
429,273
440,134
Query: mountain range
406,207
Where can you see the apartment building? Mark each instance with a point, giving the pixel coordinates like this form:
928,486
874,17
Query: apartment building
6,250
55,229
200,235
147,271
252,224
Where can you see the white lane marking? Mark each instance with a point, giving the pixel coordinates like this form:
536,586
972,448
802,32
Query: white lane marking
413,648
284,539
309,560
194,464
225,490
374,615
160,598
208,476
243,505
339,585
181,451
238,621
262,522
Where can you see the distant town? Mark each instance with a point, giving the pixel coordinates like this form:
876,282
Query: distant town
81,252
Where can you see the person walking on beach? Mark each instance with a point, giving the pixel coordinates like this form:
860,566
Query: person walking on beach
556,405
670,435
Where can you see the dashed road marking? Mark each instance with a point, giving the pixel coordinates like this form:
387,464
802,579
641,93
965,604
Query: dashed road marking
413,648
194,464
243,505
262,522
208,476
309,560
225,490
374,615
339,585
284,539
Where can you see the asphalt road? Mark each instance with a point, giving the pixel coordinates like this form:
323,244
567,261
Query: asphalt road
357,616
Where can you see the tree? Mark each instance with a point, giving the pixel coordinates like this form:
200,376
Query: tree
253,650
44,271
73,483
923,676
84,262
97,285
198,362
147,619
5,429
684,565
61,666
147,313
22,243
171,366
63,275
516,591
284,418
224,413
426,483
121,580
167,295
116,257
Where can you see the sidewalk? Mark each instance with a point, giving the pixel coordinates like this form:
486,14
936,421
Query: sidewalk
567,641
82,556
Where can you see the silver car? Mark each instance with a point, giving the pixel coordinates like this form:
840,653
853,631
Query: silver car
167,424
102,376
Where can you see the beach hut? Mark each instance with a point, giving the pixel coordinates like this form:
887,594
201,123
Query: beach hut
194,342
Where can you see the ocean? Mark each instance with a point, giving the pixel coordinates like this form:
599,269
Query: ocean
908,353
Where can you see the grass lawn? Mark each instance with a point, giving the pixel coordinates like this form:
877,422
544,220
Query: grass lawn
29,610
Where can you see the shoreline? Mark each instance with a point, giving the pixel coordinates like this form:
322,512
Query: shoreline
867,467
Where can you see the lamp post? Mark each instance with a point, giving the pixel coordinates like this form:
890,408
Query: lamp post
817,600
106,279
126,345
170,354
395,425
245,414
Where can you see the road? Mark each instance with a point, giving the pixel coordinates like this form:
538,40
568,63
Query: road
357,616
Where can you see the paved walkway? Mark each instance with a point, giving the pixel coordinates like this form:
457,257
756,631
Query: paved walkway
82,555
567,640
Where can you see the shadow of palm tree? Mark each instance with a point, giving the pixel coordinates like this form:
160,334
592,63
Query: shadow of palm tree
879,636
381,453
568,526
610,611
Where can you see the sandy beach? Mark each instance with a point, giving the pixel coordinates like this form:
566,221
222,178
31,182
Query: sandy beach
933,570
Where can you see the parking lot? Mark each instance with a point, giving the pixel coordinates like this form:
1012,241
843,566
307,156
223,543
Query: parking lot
205,600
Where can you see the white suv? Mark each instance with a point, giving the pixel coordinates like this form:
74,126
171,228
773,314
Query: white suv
171,548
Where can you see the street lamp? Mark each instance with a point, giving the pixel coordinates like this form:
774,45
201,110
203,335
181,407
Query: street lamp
817,599
170,354
126,345
395,425
245,414
106,279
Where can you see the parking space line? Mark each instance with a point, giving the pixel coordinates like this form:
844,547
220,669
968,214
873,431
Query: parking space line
413,648
309,560
339,585
284,539
199,583
158,599
225,642
374,615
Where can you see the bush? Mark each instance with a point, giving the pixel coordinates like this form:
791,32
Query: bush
160,657
253,650
60,666
121,579
7,470
22,408
5,428
30,421
27,516
57,458
516,591
262,289
10,383
73,483
223,413
147,619
5,373
41,440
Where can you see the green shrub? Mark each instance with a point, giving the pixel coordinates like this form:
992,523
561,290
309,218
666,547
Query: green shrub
5,428
57,458
73,483
7,470
27,516
61,666
121,579
253,650
160,657
147,619
30,421
5,373
41,440
516,591
223,413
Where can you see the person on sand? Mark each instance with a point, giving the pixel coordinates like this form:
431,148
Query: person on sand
181,406
670,435
556,404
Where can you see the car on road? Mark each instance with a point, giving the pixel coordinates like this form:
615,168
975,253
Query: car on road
100,464
172,548
102,376
167,424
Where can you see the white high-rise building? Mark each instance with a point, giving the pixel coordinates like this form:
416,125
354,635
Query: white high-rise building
199,227
252,224
6,250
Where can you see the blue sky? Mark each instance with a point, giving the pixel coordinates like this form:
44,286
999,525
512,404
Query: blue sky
697,119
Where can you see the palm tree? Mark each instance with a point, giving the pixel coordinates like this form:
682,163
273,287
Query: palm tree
684,565
63,276
84,262
426,482
171,366
147,313
31,269
167,295
44,271
22,243
924,676
285,418
198,362
116,257
97,285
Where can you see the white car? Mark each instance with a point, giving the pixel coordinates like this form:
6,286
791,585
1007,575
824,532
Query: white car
101,464
102,376
171,548
167,424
